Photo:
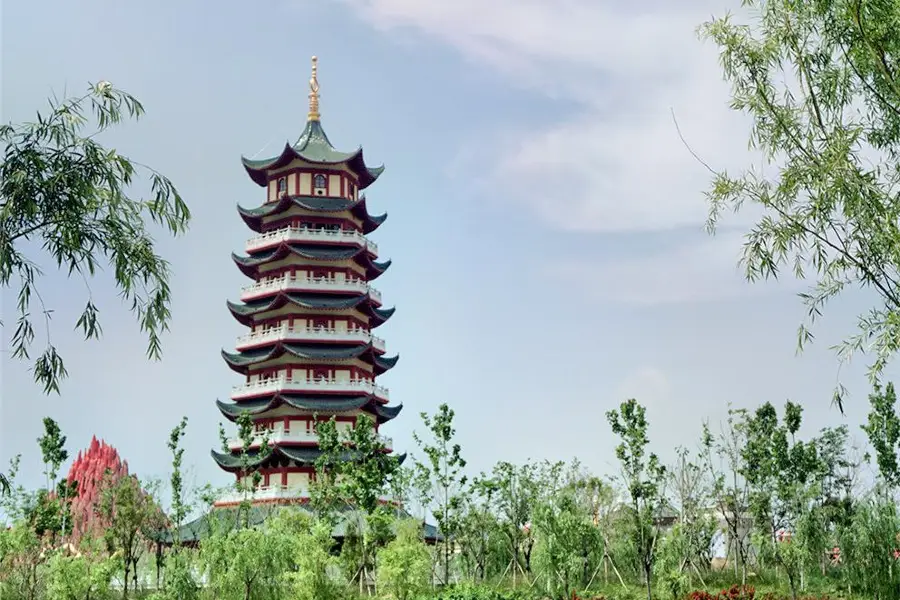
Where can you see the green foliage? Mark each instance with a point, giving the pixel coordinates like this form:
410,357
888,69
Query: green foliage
868,543
404,565
471,592
515,493
566,552
132,518
62,190
53,450
443,470
672,580
315,566
83,576
831,131
883,431
179,510
179,582
643,476
248,563
21,562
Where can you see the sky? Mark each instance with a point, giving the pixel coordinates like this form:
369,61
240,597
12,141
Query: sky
545,220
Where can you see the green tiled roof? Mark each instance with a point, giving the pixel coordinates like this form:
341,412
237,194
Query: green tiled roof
308,252
244,312
240,361
253,216
314,147
312,352
301,455
249,264
329,404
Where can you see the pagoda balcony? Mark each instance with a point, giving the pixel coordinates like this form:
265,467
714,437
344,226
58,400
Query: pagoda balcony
294,436
286,333
306,234
295,283
274,493
264,493
300,386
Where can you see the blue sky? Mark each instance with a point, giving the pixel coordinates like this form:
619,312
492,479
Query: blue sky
545,220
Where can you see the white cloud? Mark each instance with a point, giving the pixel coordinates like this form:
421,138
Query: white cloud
648,385
619,163
693,271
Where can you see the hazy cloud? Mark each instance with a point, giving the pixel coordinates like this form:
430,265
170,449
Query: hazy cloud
616,163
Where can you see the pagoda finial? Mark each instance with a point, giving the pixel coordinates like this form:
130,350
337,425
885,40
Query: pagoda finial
314,92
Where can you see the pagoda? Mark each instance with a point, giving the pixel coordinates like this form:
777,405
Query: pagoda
310,308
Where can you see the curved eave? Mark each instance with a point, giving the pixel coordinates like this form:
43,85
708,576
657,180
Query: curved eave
244,312
299,455
380,316
310,203
330,405
306,456
325,204
314,147
240,362
371,223
249,264
384,364
375,269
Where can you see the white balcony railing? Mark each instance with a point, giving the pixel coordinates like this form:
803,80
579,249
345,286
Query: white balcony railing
275,492
290,282
286,333
306,234
294,436
283,384
262,493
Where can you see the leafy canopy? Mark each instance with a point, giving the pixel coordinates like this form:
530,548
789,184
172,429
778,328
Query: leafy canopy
66,195
820,81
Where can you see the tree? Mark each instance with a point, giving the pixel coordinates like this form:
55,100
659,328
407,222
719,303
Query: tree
830,212
61,188
444,470
883,431
80,576
312,578
354,471
53,450
54,453
132,518
795,487
249,477
567,542
643,476
516,493
479,529
248,563
729,487
404,565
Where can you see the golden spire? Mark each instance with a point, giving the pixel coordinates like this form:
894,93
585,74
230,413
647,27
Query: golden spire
314,92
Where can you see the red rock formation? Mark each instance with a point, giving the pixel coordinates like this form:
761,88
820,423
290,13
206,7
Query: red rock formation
93,469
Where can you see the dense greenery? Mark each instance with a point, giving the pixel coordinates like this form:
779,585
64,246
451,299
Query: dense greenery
806,524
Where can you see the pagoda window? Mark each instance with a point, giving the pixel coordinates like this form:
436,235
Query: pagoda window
319,183
282,186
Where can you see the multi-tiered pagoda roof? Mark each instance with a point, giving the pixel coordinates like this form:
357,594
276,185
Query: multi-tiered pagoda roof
311,352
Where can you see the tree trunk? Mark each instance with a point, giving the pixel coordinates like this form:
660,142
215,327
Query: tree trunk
125,579
649,583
